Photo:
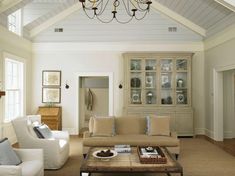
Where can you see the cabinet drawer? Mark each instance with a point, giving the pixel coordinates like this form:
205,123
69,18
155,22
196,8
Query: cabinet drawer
50,117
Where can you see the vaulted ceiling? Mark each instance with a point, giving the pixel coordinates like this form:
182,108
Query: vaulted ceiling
195,20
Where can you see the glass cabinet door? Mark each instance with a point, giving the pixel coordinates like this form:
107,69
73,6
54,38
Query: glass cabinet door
159,81
150,81
135,64
181,81
136,81
166,81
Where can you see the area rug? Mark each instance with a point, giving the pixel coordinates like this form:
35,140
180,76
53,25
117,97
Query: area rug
198,158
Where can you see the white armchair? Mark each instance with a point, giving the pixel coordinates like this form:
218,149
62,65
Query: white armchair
32,164
56,149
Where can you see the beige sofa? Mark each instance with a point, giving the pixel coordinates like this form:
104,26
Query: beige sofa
132,131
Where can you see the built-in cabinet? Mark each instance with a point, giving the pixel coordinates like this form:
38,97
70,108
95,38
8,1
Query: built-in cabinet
160,84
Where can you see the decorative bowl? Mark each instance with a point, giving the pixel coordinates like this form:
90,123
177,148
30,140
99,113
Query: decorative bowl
104,158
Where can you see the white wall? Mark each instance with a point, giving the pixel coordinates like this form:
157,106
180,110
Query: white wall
198,93
15,45
221,55
71,58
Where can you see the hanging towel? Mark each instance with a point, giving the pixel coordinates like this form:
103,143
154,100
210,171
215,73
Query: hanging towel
89,100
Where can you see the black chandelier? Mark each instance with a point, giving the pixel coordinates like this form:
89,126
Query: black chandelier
136,9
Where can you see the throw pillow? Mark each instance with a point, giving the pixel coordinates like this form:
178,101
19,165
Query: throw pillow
43,131
103,126
91,124
158,125
31,128
7,154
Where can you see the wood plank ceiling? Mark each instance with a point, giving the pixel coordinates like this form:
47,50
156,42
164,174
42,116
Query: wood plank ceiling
208,14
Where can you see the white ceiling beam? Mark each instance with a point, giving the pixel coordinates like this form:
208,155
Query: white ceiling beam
178,18
7,4
225,4
58,17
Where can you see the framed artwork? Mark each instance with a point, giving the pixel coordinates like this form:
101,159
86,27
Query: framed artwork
51,78
51,95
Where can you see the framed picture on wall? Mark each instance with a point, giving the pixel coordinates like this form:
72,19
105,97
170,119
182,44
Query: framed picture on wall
51,78
51,95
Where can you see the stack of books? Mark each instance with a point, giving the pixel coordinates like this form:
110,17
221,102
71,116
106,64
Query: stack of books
149,152
122,148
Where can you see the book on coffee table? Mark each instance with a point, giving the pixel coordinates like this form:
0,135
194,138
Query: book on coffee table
123,148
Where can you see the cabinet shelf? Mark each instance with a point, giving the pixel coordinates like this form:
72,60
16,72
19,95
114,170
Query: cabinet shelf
181,71
136,71
181,88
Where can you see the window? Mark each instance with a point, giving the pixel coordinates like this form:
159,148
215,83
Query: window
14,22
14,84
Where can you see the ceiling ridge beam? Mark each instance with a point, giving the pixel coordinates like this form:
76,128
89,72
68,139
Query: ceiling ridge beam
178,18
225,4
54,19
6,6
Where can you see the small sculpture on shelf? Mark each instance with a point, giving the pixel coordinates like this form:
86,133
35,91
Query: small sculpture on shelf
180,83
149,97
135,82
167,100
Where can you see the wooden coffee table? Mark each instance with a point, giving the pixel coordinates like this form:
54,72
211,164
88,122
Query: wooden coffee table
128,162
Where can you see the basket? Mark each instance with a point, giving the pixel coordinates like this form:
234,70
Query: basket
153,157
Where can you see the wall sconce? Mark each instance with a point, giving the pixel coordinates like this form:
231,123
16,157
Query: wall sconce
66,85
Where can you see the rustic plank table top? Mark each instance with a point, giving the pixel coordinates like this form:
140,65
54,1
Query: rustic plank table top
128,162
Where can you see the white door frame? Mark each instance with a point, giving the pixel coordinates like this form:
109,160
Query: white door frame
218,101
93,74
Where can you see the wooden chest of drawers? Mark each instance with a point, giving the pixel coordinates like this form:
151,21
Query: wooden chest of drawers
52,116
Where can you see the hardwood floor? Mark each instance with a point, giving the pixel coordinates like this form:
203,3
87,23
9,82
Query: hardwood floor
227,145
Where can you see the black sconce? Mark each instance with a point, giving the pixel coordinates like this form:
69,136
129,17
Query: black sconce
66,85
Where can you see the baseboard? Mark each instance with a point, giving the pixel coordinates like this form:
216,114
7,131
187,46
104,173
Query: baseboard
209,133
228,135
72,131
199,131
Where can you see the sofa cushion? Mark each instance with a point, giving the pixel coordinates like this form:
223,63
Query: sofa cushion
158,125
7,154
133,140
130,125
103,126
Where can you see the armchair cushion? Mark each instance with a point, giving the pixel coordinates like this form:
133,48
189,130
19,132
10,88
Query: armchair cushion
158,125
7,155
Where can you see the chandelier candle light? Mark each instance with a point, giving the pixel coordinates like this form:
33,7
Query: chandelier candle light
133,9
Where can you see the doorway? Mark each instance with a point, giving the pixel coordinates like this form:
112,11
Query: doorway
93,101
219,102
94,97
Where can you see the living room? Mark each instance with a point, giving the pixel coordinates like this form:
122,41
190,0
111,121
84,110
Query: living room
90,48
